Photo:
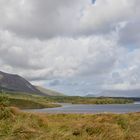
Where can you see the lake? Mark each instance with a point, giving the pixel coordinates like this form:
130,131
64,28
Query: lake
82,108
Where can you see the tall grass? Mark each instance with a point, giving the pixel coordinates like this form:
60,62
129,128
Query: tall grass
16,125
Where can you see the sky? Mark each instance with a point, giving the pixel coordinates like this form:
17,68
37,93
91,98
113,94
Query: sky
78,47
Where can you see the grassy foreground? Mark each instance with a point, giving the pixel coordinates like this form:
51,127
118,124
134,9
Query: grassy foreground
16,125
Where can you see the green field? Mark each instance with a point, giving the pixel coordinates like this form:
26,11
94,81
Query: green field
26,101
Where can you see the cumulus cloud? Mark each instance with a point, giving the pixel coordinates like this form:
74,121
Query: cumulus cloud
43,18
58,57
46,18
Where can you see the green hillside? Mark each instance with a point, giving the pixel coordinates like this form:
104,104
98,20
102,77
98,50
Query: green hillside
24,101
48,91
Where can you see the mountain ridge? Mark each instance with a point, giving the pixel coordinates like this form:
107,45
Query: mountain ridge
16,83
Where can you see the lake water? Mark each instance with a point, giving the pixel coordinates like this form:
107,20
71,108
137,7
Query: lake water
82,108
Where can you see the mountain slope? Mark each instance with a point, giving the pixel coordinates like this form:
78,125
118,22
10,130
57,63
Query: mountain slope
48,91
16,83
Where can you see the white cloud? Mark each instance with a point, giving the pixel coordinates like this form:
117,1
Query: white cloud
52,18
58,57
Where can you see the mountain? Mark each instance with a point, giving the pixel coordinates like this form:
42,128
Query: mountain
48,91
16,83
121,93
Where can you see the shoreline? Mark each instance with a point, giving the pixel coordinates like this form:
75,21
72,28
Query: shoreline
89,109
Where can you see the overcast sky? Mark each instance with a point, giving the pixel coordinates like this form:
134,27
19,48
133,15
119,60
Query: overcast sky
78,47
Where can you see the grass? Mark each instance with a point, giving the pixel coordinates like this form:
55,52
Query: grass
26,101
15,124
95,127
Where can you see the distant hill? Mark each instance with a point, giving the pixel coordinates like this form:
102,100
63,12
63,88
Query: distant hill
16,83
117,93
121,93
127,94
48,91
90,95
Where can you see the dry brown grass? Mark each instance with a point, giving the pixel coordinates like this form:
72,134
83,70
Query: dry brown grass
16,125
